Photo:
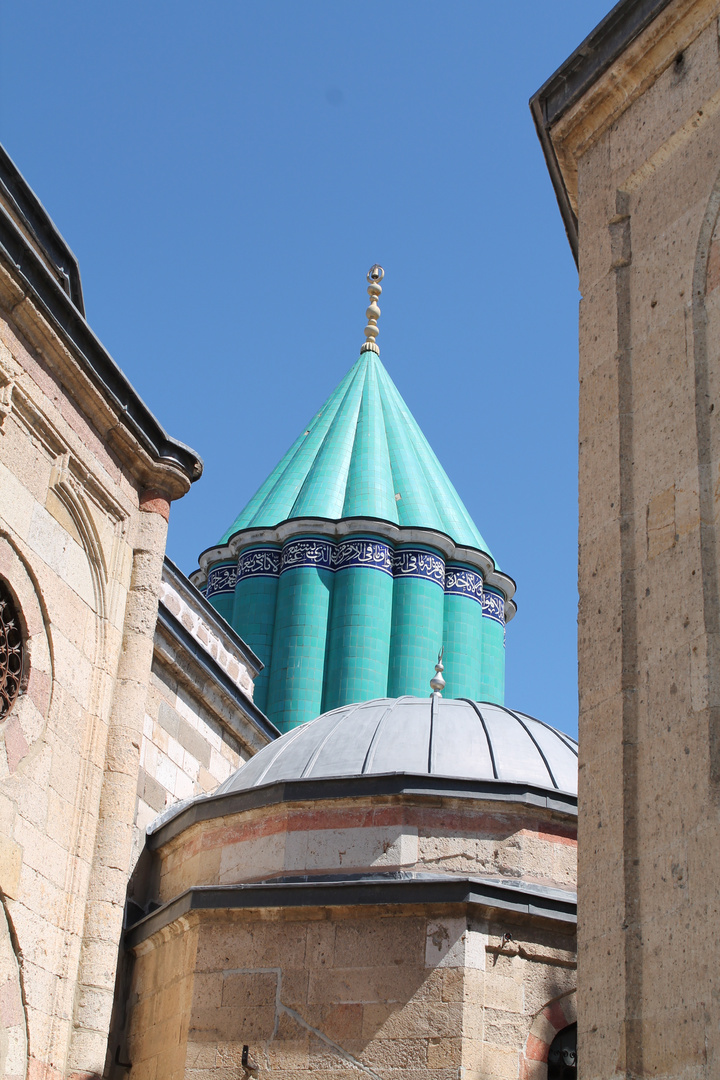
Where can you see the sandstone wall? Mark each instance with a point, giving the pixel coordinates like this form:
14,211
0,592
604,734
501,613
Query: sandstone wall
200,723
82,561
331,993
352,836
640,153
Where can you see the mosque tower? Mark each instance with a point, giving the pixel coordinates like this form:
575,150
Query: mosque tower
356,562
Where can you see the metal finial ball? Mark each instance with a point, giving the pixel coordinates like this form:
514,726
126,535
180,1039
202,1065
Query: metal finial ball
437,682
375,274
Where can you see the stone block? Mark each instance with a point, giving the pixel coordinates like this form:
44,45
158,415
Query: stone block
17,503
391,1054
366,984
503,993
342,1022
444,1053
240,944
445,943
151,791
500,1063
320,945
10,866
453,985
416,1020
168,719
249,1024
41,853
243,990
219,767
192,740
380,942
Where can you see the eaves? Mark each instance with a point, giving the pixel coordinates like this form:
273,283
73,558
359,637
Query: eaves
600,49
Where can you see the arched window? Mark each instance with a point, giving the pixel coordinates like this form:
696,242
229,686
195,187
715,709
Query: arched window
562,1055
11,652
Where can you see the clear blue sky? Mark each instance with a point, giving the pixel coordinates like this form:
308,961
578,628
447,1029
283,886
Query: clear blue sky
226,173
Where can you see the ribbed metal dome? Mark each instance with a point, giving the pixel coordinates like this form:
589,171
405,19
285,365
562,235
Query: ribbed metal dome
441,737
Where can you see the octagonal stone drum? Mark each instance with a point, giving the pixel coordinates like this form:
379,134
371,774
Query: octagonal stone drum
386,891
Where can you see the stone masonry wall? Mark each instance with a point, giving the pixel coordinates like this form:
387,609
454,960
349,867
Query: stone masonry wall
185,750
645,143
331,993
69,527
194,734
358,835
184,601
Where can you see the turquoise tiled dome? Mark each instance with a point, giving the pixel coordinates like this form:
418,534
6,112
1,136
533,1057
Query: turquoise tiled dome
356,561
362,455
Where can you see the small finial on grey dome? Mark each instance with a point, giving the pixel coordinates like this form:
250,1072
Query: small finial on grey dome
374,276
437,682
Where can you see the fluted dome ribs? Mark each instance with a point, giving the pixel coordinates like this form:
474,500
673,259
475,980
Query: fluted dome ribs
362,455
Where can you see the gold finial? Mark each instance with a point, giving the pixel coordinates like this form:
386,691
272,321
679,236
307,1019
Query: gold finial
374,275
437,682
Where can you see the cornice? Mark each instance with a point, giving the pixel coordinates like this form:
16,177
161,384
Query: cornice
613,66
55,328
171,629
337,529
220,627
521,899
35,223
414,788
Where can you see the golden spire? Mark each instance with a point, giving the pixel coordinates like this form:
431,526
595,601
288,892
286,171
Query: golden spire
374,275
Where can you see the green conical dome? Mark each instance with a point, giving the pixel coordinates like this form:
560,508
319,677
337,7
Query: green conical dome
356,562
362,455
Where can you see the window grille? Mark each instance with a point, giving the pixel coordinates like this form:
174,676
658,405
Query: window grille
11,652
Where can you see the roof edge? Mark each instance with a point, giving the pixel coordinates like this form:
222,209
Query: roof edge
354,787
31,273
31,216
370,890
575,76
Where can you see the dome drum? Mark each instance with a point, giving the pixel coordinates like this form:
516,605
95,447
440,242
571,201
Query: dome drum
413,785
386,801
361,615
415,836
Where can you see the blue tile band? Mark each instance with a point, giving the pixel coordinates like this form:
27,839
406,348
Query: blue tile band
357,551
419,564
493,607
221,579
317,553
462,582
325,554
360,552
259,562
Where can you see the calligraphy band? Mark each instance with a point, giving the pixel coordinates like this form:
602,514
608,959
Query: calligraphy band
367,552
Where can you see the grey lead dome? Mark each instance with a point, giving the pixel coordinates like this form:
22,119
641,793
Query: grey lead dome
455,738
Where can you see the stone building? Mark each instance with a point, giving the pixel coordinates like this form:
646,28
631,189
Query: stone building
238,835
388,889
630,126
107,712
